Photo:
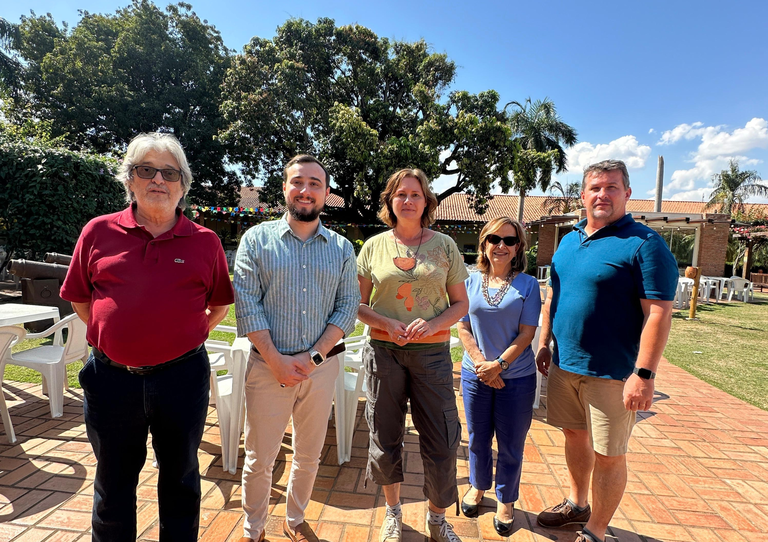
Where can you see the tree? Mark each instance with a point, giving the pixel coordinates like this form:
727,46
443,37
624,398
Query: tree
541,134
568,201
10,67
138,70
366,107
732,187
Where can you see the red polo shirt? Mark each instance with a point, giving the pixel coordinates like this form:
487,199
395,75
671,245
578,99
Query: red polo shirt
148,294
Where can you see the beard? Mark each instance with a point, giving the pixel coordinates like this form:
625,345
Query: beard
303,215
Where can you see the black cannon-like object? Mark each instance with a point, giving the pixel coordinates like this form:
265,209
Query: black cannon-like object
55,257
40,285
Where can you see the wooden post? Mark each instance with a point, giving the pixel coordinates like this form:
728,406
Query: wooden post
695,274
747,259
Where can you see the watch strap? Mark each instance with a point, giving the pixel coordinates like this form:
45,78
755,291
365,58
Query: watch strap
643,373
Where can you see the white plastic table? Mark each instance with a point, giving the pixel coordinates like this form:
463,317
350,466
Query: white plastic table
17,313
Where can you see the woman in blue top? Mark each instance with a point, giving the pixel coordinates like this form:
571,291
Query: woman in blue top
498,372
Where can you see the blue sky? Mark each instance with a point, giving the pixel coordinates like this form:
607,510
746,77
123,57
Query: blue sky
682,79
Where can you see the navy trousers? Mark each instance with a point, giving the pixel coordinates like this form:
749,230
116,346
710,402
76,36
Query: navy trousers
120,409
507,413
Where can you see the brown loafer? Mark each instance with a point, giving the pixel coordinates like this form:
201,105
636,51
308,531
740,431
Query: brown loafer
246,539
302,533
563,514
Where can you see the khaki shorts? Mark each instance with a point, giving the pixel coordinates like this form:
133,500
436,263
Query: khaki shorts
595,404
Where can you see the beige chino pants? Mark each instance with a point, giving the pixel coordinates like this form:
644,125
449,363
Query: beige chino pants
268,408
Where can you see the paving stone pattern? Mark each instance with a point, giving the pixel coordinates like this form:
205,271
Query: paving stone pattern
698,471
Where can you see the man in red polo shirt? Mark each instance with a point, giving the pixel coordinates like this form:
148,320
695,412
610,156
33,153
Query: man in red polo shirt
150,284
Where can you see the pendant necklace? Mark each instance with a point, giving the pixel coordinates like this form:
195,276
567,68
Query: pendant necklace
409,261
496,299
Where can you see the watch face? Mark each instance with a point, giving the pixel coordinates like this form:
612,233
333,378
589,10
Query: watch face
317,358
504,365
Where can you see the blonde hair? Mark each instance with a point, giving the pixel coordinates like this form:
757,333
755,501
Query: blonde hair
387,215
520,261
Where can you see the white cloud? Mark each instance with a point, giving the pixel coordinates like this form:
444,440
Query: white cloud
683,131
717,147
754,135
625,148
651,131
698,194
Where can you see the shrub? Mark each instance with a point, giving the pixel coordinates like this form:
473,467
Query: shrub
530,255
48,194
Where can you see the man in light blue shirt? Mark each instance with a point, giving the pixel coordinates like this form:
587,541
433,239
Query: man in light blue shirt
296,297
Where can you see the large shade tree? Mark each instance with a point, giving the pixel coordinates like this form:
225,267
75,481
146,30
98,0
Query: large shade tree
732,187
539,136
140,69
10,67
366,106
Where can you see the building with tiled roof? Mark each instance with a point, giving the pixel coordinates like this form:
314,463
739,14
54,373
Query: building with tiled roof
706,233
456,208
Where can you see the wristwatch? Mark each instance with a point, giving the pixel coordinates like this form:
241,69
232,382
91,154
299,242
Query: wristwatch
317,357
504,364
645,374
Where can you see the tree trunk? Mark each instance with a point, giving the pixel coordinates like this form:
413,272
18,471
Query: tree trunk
520,206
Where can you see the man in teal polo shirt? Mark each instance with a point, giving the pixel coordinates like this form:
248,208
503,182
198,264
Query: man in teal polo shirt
609,311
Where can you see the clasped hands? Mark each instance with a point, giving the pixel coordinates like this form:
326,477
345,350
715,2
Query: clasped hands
292,370
401,333
489,373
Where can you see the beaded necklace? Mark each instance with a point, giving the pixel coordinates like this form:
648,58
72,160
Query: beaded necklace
496,299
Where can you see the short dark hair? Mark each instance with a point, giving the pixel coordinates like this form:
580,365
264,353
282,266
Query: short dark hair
606,165
305,159
387,214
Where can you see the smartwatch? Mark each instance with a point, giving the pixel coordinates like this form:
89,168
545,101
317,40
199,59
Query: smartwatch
504,364
317,357
645,374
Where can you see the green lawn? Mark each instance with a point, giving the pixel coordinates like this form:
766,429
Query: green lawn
725,347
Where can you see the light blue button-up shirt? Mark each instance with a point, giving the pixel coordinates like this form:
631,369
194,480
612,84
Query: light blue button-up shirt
294,288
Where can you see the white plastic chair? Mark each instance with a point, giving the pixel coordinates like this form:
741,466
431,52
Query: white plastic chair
228,392
741,288
350,387
683,293
535,348
51,360
9,335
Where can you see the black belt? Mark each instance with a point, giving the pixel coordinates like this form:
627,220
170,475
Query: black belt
338,349
147,369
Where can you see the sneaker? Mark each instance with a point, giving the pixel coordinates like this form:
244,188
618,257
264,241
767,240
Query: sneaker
441,532
563,514
391,529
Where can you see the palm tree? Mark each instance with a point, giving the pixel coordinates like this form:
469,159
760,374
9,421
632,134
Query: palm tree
541,134
733,187
10,67
568,201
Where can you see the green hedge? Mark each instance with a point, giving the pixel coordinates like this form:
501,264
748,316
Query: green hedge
48,194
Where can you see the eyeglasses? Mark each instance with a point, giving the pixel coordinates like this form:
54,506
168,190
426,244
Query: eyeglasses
509,240
169,174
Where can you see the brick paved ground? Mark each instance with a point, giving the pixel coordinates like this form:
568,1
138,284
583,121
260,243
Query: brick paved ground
698,472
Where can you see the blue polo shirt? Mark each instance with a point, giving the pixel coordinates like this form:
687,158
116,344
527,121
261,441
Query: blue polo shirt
597,284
